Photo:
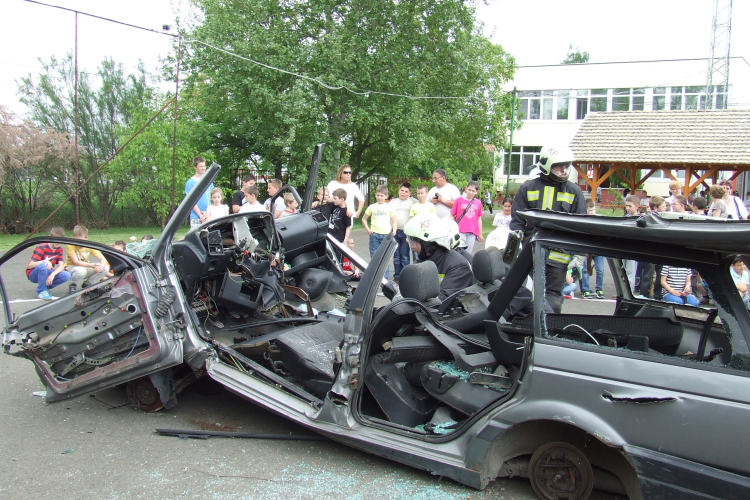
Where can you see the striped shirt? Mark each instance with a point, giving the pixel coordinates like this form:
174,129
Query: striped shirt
45,251
676,278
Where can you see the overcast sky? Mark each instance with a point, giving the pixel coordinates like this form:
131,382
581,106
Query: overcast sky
534,31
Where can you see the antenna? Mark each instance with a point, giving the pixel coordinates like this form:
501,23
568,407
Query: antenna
717,80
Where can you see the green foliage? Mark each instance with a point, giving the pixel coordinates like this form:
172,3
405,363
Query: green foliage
106,101
364,49
146,162
575,57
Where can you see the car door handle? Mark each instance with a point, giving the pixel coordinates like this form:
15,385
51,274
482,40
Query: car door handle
643,399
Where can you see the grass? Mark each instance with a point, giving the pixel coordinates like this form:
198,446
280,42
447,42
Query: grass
106,236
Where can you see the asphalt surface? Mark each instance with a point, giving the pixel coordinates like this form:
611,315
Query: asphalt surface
99,446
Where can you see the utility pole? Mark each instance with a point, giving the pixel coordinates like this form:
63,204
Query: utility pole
718,60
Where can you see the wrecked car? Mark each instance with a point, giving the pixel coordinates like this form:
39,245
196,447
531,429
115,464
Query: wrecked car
636,396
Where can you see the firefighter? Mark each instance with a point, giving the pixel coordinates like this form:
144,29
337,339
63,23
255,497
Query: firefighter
551,190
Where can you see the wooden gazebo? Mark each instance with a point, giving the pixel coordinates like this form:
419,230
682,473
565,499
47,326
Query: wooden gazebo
700,142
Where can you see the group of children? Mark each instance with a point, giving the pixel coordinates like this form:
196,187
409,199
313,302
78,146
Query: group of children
49,267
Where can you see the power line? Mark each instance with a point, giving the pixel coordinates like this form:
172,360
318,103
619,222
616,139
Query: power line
101,18
364,93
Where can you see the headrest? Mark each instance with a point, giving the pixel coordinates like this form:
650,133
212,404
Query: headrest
420,281
488,265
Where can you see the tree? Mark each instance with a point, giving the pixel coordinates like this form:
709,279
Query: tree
31,161
146,162
576,57
364,62
105,101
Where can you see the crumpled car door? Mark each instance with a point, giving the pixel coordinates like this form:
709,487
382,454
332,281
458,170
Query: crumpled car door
110,332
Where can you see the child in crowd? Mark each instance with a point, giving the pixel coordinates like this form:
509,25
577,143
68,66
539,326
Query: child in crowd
119,245
632,204
77,261
676,288
657,204
273,187
47,268
147,237
339,215
699,205
741,278
216,209
503,218
570,285
323,202
467,212
422,206
679,204
251,200
291,205
598,266
401,208
383,220
718,207
347,266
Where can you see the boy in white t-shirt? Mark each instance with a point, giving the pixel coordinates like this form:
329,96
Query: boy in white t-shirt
251,200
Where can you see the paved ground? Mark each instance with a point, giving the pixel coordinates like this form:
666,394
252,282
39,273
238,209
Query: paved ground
98,446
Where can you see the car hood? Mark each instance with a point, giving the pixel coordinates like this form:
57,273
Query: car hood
707,233
179,216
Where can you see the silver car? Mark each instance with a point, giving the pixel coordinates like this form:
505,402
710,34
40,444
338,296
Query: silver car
633,395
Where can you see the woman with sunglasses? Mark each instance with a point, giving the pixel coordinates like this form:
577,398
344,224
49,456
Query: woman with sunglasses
344,181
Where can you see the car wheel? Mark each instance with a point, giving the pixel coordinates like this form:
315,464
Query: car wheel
560,471
143,395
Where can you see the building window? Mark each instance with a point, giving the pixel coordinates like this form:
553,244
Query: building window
598,100
621,100
522,159
531,105
562,104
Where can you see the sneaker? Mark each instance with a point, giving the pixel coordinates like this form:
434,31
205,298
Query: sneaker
568,296
85,284
72,288
600,294
587,295
45,295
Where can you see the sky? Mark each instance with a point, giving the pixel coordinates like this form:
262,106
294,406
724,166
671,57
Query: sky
535,32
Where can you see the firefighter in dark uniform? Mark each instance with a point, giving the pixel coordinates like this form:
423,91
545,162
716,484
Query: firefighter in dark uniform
550,191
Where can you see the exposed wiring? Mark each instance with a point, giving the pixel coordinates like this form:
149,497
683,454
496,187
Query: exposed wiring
134,343
365,93
584,331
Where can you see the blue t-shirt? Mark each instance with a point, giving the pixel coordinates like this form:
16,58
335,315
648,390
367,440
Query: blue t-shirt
203,201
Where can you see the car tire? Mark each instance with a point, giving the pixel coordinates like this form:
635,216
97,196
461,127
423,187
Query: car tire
559,470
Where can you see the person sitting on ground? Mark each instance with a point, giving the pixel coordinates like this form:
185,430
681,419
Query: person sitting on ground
133,239
47,268
431,237
77,261
147,237
741,278
251,200
290,205
718,207
676,288
570,285
119,245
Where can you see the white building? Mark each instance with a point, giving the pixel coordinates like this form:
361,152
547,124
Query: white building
554,100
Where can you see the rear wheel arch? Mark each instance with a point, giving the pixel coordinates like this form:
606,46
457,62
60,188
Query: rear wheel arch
510,452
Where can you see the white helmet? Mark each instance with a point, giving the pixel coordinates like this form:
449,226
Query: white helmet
431,231
555,156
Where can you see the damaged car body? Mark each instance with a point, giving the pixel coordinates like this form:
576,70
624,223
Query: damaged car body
647,400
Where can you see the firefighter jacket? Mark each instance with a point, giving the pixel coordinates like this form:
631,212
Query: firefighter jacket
542,193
